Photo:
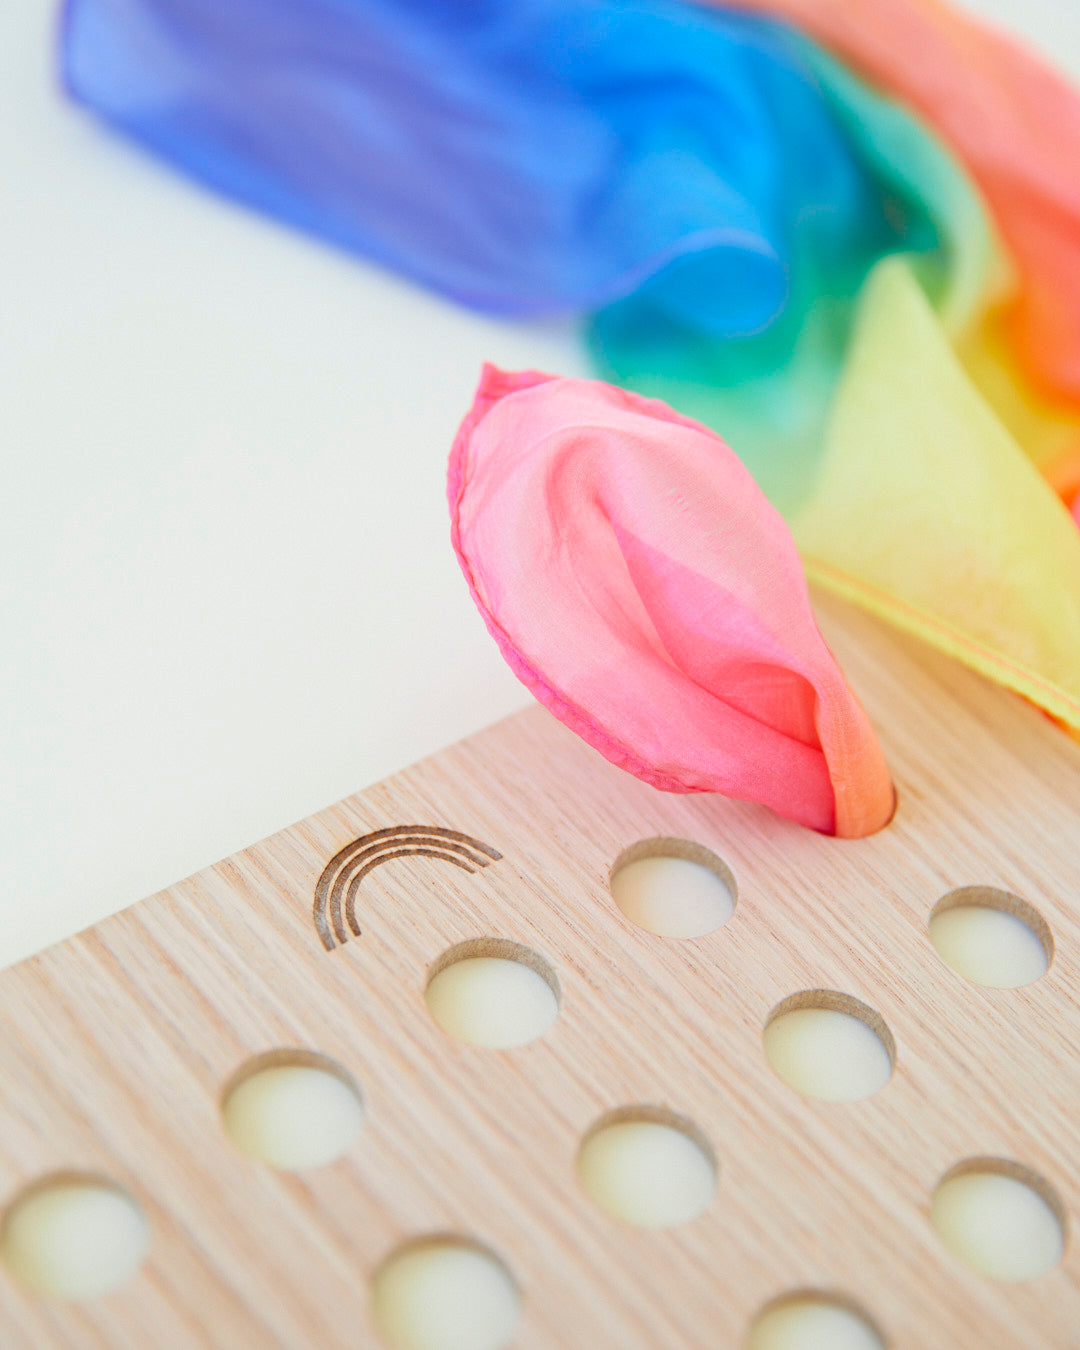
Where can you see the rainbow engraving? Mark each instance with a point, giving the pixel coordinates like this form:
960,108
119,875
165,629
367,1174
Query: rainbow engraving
334,911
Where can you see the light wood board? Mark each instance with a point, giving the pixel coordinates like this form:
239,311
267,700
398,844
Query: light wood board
115,1047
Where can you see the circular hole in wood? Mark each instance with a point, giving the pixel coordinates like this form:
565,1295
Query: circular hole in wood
829,1046
74,1236
292,1109
991,937
444,1292
673,887
648,1167
1000,1218
493,993
809,1320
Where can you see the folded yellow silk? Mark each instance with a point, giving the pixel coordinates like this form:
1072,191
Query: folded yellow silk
927,511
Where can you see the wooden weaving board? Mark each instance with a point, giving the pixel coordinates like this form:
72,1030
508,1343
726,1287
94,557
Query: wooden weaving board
116,1046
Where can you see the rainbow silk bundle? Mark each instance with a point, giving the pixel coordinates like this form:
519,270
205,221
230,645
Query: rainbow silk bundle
844,236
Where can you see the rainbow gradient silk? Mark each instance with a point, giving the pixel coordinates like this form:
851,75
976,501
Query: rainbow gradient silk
685,653
871,291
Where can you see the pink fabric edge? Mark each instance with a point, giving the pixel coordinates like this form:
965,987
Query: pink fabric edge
494,385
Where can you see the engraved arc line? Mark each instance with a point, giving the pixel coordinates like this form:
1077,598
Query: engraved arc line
392,831
354,885
365,841
329,892
382,852
368,851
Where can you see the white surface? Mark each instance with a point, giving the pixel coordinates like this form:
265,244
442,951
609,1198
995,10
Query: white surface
647,1174
672,897
988,946
827,1054
998,1226
445,1296
293,1116
75,1240
492,1002
229,593
228,598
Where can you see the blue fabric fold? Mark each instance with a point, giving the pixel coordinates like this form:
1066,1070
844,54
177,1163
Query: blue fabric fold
523,158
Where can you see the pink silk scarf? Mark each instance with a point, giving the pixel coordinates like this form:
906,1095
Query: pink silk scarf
643,588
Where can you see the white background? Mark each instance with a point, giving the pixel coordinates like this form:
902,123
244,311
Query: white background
228,595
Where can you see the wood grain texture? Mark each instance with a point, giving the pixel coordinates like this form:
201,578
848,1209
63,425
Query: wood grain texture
117,1043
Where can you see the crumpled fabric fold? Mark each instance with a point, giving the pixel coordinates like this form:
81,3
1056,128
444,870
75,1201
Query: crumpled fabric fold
770,393
1012,121
643,588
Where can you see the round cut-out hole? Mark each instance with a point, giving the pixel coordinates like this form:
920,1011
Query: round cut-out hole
673,887
292,1109
829,1046
999,1218
648,1167
811,1321
444,1293
493,993
74,1237
991,937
